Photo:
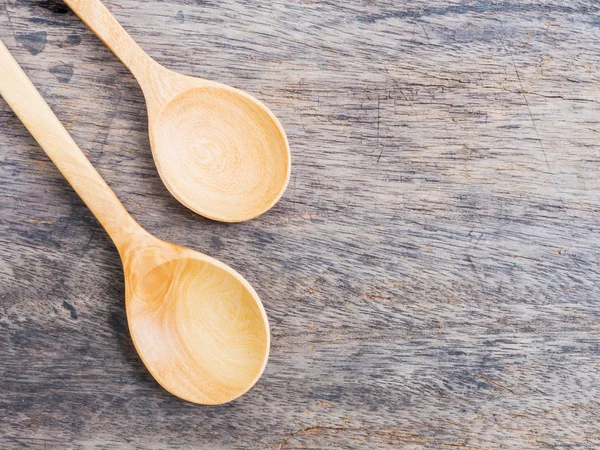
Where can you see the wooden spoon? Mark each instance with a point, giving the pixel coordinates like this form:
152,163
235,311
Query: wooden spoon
219,151
198,326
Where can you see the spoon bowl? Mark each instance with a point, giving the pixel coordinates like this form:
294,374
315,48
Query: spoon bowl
221,152
197,324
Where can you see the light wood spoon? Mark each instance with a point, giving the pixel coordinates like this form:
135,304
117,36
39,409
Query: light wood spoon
198,326
218,150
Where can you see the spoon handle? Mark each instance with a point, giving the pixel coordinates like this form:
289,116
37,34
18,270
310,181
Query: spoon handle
27,103
99,19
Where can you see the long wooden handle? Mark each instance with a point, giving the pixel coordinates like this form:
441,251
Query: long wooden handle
99,19
27,103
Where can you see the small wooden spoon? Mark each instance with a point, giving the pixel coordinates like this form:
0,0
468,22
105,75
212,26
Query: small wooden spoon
219,151
197,324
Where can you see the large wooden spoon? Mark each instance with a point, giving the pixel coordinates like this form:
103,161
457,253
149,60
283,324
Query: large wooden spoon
198,326
219,151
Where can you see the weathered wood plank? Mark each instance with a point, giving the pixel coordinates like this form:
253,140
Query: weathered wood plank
432,274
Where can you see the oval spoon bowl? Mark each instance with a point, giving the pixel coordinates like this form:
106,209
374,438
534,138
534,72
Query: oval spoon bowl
221,153
197,324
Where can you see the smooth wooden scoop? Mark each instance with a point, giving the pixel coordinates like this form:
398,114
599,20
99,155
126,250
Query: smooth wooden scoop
219,151
198,326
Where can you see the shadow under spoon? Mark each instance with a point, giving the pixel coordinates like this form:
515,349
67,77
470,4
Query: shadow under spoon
198,325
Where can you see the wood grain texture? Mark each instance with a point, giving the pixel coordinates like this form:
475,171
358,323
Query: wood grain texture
27,103
432,274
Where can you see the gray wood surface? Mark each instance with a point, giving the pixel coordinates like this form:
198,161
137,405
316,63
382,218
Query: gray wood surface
432,274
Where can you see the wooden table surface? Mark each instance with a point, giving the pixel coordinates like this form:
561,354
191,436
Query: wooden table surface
432,274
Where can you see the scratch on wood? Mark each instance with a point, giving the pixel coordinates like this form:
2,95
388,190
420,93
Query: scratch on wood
378,127
379,298
495,384
10,24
